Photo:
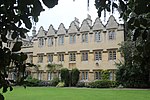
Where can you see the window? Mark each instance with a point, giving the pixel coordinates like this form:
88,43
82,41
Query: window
111,35
39,75
111,76
84,37
84,56
60,57
41,42
72,57
50,57
112,55
98,55
97,36
97,75
72,38
50,41
31,59
59,75
61,40
40,58
49,76
84,75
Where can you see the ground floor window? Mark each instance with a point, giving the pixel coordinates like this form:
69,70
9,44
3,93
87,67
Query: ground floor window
49,76
97,75
59,75
111,76
84,75
39,75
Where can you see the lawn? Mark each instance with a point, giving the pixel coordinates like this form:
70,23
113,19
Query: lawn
47,93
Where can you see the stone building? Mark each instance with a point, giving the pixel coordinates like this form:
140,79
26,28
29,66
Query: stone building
90,48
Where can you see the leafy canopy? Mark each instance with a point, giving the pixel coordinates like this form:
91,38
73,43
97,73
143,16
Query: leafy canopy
14,14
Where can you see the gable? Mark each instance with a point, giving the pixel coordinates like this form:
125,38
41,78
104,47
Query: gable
41,32
85,26
72,28
98,24
111,23
51,31
61,29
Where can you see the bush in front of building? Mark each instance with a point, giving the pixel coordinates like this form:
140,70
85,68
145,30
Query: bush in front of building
32,82
54,81
105,74
102,84
65,76
74,76
80,84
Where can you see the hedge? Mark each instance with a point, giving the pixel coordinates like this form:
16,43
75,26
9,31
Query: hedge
102,84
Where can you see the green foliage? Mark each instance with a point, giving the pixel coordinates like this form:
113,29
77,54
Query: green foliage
32,82
14,14
80,84
104,74
74,76
54,67
136,17
102,84
1,97
134,65
55,81
65,76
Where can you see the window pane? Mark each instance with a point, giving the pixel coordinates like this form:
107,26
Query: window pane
82,76
86,75
97,36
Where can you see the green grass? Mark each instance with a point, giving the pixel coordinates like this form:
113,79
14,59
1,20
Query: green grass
43,93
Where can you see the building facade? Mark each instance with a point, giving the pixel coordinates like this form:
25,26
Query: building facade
90,48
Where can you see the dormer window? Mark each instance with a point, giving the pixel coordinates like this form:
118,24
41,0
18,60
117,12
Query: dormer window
50,41
111,35
41,42
61,39
85,37
97,36
72,38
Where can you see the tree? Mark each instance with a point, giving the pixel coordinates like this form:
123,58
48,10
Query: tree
13,14
65,76
54,67
130,72
74,76
136,17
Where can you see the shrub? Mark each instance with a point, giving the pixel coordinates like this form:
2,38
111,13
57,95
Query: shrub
80,84
105,74
60,84
65,76
54,82
31,82
74,76
102,84
44,83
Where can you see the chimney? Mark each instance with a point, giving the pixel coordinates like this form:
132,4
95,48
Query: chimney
89,19
76,20
34,31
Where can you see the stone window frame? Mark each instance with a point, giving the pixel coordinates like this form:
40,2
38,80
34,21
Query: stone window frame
97,36
50,41
112,54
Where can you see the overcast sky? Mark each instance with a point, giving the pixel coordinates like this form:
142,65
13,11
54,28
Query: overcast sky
65,12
